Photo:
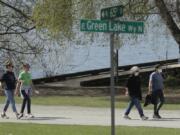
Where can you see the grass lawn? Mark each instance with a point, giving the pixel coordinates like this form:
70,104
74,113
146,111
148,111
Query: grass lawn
38,129
84,102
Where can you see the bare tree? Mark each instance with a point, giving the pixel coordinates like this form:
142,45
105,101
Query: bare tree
18,37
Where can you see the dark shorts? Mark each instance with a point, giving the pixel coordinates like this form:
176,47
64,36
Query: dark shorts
157,96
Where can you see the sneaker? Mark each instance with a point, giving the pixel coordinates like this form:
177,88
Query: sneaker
30,116
4,116
159,116
20,115
156,116
144,117
127,117
17,115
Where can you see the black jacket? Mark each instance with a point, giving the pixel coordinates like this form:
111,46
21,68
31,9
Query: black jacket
10,80
134,87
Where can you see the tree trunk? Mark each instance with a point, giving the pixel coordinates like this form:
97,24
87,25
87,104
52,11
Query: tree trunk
166,16
178,8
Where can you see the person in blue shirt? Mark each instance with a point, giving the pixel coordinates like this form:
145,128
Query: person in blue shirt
9,84
156,87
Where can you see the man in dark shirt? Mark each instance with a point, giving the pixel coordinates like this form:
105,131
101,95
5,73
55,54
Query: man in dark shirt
134,91
9,84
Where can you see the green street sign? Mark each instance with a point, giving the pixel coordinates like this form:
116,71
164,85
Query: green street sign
112,26
111,12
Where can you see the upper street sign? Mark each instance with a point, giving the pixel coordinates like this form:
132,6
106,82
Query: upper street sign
111,12
112,26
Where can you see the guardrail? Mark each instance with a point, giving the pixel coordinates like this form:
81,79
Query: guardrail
98,71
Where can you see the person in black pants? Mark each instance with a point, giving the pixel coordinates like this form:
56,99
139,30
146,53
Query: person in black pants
25,86
156,87
133,89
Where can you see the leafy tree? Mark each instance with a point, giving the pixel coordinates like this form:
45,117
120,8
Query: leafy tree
26,25
60,16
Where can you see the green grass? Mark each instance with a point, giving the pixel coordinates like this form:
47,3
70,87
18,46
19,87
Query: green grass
71,101
39,129
84,102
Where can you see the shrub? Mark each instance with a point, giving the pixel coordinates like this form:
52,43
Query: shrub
172,81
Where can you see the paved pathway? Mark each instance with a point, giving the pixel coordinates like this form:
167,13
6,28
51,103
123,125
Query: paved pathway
93,116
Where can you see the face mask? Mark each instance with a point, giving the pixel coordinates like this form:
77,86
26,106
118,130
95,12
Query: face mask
136,73
159,70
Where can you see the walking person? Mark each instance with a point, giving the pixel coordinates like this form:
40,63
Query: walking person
133,89
156,89
25,85
8,81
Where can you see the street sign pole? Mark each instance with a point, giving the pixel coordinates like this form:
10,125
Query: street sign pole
108,24
117,64
112,84
179,55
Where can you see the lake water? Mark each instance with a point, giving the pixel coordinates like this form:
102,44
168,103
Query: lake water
156,44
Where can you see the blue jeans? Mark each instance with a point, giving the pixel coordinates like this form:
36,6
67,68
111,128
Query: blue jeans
134,101
9,99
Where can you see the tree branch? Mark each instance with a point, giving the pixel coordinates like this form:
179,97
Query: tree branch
17,32
14,50
166,16
15,9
